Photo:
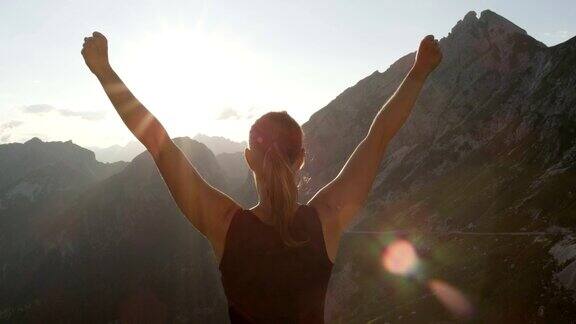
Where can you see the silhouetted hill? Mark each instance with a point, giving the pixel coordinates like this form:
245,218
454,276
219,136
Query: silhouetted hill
37,180
121,249
36,177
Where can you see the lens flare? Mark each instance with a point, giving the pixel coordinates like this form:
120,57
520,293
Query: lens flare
451,298
400,258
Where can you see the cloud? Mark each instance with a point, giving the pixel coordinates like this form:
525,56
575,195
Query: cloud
4,128
229,113
88,115
9,125
557,35
37,109
252,111
43,108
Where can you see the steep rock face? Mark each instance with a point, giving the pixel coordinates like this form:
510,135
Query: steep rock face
37,180
483,60
121,251
488,150
37,175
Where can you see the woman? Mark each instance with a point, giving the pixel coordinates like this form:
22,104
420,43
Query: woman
276,257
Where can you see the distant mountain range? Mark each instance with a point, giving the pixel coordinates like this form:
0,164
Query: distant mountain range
219,144
480,180
115,153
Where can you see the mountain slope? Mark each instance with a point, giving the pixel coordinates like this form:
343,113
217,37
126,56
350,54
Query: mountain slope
237,173
121,251
489,149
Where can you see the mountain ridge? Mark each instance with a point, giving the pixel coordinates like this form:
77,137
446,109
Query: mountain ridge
489,149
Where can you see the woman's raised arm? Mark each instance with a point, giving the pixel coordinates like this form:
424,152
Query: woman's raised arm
208,209
340,200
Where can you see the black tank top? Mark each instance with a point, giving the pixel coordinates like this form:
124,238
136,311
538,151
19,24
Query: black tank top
266,281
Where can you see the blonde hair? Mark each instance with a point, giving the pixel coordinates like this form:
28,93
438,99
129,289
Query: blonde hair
279,137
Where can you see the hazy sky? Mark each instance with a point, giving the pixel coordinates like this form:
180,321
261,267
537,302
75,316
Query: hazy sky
214,66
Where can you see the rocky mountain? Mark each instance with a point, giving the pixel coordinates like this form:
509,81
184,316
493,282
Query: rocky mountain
37,180
117,153
480,179
37,177
121,250
19,160
219,144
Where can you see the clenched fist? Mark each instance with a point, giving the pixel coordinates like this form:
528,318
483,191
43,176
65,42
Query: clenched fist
95,53
429,55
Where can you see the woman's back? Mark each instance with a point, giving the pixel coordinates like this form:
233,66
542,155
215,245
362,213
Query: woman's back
266,281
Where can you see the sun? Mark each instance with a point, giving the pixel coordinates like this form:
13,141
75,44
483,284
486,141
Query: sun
187,77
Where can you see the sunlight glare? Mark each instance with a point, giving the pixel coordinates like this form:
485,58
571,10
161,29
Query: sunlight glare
451,298
400,258
189,76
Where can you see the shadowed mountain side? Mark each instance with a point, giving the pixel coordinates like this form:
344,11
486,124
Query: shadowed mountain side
483,60
37,180
124,250
237,174
490,148
18,160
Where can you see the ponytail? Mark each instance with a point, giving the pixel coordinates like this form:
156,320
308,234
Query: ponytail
282,192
